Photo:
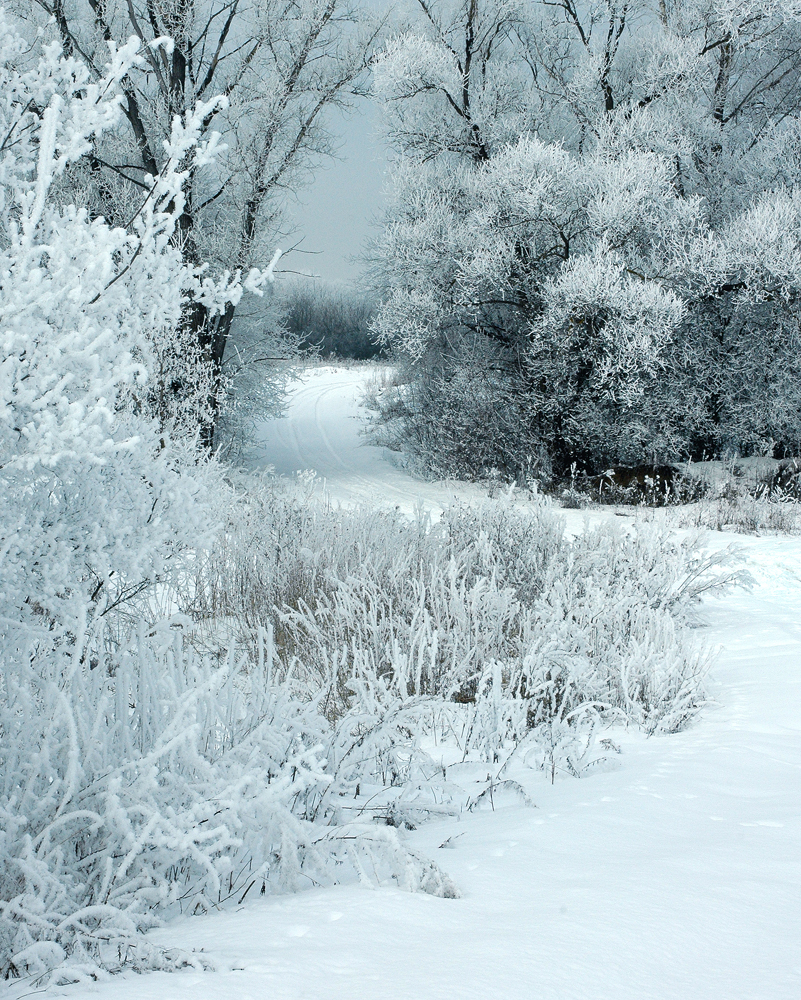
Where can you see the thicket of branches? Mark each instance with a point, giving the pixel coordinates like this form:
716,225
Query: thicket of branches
280,67
591,253
161,775
334,320
491,601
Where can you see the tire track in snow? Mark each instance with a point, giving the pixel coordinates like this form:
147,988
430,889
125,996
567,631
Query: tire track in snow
324,423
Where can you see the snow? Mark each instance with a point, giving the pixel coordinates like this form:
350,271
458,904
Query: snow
323,432
675,875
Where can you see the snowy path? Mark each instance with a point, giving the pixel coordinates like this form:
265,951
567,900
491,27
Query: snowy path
322,431
675,877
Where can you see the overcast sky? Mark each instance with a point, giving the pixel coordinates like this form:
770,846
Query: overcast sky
333,214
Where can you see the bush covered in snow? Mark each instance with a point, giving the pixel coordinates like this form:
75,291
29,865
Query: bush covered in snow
147,780
153,783
100,486
492,602
590,247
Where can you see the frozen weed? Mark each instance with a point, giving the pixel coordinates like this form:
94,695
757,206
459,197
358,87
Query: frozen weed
155,783
481,609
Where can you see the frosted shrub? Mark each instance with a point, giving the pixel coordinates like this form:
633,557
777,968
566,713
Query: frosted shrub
453,421
746,505
565,743
489,609
101,486
91,482
147,784
605,268
154,783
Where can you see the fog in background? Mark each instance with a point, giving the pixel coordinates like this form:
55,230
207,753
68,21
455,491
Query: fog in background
333,216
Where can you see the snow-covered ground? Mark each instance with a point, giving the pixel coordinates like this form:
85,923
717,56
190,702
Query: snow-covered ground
323,432
675,875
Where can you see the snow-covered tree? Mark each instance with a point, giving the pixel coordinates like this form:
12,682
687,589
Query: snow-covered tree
281,68
536,281
454,82
100,486
563,259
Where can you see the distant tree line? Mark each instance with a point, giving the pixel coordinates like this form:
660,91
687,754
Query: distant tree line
333,320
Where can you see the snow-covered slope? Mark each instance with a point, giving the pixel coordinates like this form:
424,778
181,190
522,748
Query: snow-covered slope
675,875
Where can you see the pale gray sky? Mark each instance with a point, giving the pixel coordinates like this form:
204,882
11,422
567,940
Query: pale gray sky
333,214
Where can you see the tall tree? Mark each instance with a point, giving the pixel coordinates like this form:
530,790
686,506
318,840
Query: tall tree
660,127
279,66
97,501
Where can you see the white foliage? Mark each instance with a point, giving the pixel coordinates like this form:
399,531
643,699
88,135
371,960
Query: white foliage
411,64
148,781
485,610
99,485
152,783
132,787
762,246
634,178
570,266
634,317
